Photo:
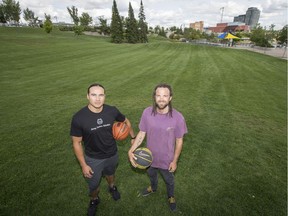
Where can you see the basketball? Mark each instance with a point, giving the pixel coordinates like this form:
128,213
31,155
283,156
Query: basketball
120,130
144,157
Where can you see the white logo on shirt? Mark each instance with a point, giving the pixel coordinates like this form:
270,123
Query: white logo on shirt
169,128
99,121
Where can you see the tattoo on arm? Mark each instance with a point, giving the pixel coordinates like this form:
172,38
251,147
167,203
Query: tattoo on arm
140,140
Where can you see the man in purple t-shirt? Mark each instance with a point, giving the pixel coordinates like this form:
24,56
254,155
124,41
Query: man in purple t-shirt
165,128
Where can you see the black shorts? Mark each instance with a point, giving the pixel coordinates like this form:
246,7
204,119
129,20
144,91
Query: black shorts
100,167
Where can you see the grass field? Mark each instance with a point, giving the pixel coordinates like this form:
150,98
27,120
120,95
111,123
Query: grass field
234,159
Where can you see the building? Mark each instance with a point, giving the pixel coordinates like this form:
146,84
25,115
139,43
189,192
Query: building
251,18
240,18
197,25
229,27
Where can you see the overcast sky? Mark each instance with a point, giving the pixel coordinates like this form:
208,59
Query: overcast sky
165,13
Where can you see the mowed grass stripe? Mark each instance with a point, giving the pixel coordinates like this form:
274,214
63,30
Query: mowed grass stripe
228,111
234,156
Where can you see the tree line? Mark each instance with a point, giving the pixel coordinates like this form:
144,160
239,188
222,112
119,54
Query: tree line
127,29
121,29
132,30
264,37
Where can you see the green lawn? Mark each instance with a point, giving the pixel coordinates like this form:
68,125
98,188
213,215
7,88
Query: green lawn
234,159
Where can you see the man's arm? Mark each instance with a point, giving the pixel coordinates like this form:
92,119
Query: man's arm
132,134
78,150
178,149
138,140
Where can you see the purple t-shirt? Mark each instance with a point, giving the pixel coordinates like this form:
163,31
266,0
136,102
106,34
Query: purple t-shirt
161,133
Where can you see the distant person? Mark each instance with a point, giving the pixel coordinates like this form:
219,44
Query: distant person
92,127
165,128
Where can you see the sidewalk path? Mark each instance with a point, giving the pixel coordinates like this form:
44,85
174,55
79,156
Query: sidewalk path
276,52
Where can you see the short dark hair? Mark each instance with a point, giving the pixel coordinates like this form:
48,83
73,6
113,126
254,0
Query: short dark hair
93,85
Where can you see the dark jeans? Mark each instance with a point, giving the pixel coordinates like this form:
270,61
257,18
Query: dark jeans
167,176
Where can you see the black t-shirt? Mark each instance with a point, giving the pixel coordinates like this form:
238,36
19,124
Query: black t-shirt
96,130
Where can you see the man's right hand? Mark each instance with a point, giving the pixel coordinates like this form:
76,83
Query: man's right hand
87,171
132,158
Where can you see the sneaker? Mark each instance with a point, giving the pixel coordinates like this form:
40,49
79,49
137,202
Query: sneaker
92,207
172,203
147,191
115,193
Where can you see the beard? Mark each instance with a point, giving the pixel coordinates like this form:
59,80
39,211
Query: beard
161,106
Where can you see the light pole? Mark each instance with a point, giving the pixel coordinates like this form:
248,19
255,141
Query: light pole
222,11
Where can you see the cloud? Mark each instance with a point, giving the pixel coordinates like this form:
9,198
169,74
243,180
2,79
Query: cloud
275,6
165,13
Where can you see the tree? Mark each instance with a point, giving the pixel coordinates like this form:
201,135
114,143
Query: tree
173,29
2,14
142,25
259,36
157,29
270,35
73,11
177,30
132,34
162,32
116,25
29,16
85,19
151,31
78,29
48,24
195,34
282,35
187,33
104,28
10,11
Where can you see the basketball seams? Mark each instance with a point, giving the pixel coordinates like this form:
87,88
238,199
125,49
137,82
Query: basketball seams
120,130
143,158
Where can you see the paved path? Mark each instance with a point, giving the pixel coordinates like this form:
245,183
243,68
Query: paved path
276,52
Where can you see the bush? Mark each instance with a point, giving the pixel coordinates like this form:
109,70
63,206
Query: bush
48,26
78,30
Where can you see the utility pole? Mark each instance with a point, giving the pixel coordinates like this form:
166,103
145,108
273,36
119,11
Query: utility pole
222,11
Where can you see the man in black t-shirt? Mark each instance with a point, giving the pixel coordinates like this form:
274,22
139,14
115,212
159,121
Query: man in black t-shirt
92,126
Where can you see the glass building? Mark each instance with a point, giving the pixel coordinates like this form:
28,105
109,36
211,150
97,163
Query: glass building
252,17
